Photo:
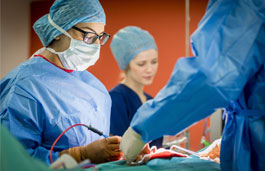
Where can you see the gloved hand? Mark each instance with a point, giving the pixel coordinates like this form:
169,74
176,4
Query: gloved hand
132,145
145,150
99,151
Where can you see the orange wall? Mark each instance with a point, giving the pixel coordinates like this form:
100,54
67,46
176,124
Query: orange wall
165,20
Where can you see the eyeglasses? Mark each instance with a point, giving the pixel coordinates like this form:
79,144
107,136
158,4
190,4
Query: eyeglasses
91,37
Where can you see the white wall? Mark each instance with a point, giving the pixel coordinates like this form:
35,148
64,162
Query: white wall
15,32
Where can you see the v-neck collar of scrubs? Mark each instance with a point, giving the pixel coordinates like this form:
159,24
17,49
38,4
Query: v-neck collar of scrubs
66,70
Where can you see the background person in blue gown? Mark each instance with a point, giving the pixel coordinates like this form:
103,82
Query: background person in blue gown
136,53
52,90
228,71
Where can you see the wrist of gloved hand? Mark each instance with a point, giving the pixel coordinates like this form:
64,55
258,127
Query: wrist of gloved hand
99,151
131,145
75,152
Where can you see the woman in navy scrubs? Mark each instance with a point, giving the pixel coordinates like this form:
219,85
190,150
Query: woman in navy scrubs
136,53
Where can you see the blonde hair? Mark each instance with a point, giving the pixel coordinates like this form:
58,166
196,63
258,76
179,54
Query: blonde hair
123,73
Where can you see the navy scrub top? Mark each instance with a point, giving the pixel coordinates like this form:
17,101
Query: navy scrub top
125,102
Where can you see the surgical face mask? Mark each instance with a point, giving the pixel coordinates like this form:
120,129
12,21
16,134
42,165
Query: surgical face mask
80,55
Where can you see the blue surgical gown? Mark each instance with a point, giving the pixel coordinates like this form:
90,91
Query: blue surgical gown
125,102
228,71
39,101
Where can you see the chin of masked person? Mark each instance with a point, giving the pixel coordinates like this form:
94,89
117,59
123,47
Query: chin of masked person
99,151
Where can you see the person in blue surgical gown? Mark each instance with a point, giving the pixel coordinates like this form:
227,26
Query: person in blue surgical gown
228,71
52,90
136,53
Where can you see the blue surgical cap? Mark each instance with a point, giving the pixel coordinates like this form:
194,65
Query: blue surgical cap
66,14
128,42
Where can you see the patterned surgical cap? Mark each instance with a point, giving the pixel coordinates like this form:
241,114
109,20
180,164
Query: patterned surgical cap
66,14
